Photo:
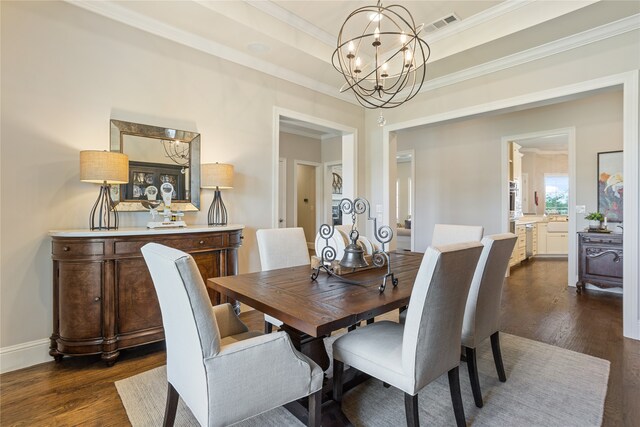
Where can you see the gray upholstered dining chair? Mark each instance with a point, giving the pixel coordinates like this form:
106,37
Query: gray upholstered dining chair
214,363
281,248
482,313
447,234
409,356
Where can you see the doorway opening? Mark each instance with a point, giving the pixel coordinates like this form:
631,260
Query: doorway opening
317,165
541,180
405,179
626,82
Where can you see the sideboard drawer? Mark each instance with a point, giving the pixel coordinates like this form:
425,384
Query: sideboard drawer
609,240
202,242
75,249
132,247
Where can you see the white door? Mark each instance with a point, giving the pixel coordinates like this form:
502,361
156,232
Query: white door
306,200
282,193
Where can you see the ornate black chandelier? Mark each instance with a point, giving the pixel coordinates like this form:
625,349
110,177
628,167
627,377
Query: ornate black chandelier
381,56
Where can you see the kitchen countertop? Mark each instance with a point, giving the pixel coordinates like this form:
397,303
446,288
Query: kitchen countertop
524,220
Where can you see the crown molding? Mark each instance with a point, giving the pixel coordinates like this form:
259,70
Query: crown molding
584,38
115,12
480,18
541,152
282,14
141,22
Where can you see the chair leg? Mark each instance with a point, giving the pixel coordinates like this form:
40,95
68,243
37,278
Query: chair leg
497,356
338,369
268,327
411,410
456,397
172,406
315,403
472,364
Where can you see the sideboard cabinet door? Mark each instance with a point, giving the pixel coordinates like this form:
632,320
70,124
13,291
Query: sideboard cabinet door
137,303
80,296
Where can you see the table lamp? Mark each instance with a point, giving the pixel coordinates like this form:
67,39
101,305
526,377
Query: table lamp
218,176
104,168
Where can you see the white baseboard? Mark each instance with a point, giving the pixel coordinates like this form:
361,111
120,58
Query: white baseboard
24,355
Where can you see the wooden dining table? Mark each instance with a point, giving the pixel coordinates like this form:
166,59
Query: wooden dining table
313,309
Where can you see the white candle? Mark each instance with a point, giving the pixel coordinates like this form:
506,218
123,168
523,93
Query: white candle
605,222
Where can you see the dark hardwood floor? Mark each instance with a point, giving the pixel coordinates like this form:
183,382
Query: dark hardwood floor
536,305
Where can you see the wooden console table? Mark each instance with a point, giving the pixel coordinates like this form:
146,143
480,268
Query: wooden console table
103,295
599,260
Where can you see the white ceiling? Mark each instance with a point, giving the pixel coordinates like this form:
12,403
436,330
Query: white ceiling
294,40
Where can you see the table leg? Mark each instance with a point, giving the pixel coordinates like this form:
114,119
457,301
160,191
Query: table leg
314,348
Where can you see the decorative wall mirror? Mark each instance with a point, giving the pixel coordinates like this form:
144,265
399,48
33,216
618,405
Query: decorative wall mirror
157,155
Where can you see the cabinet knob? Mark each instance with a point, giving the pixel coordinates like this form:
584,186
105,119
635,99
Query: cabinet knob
96,299
202,242
66,248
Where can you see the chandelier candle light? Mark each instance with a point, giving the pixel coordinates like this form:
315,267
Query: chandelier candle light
105,168
218,176
381,56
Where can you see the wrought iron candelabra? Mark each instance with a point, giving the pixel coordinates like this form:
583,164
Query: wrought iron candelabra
354,254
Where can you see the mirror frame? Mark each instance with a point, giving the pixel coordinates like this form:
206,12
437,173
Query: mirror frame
121,128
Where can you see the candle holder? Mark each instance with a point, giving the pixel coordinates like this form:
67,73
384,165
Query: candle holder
353,254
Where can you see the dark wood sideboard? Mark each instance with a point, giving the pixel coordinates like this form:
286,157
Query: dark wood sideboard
103,295
599,260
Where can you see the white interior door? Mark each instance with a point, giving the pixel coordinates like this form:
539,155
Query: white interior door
282,193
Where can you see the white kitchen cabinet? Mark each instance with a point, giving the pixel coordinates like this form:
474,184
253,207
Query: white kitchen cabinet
534,240
542,238
519,251
557,243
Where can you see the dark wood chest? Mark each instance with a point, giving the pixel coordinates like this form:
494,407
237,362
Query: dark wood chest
599,260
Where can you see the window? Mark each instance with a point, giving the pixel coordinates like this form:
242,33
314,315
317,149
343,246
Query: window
556,194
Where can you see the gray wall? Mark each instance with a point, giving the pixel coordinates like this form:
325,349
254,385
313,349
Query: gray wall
65,73
458,165
296,147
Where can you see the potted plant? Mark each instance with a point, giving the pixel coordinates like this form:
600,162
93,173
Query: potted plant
595,220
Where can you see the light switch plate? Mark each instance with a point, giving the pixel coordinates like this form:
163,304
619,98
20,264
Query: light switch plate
581,209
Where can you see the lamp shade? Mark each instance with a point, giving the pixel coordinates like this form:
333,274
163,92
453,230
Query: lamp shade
104,166
218,175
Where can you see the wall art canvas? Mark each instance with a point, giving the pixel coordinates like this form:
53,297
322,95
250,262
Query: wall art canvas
610,185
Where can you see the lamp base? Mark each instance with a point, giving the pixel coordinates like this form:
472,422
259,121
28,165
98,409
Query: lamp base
217,210
104,215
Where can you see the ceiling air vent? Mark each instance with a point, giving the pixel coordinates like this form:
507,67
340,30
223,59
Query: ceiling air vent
441,23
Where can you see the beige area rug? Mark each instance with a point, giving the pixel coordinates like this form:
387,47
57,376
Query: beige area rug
546,386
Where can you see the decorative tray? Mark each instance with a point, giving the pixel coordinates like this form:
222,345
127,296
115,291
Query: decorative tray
338,269
589,230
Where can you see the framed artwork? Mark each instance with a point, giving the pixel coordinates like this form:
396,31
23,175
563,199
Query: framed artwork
610,185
